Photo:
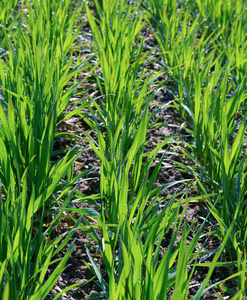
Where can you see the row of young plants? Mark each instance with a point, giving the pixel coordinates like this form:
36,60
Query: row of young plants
204,49
37,79
203,52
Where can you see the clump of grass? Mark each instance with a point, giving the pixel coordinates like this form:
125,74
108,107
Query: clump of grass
8,22
34,77
118,48
207,67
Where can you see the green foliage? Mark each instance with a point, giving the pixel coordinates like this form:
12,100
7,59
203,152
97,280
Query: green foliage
35,85
118,48
202,46
26,254
201,51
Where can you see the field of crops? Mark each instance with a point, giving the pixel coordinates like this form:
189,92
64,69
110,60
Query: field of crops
123,142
